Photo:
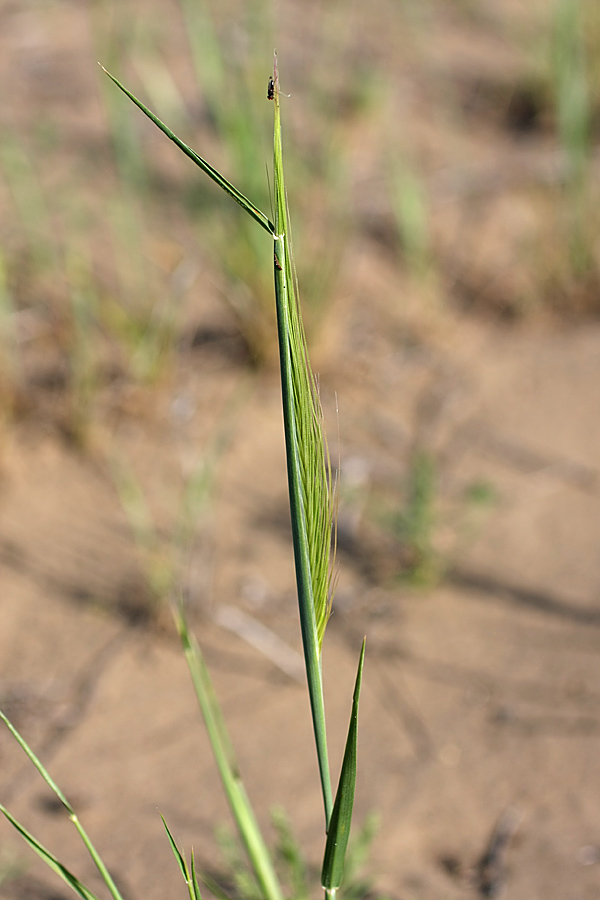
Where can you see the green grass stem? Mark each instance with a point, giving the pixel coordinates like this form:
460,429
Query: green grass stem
235,792
40,850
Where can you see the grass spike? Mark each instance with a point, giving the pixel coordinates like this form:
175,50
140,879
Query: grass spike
309,469
318,494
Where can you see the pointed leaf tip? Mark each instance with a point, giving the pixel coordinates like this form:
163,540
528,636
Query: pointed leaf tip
341,817
216,176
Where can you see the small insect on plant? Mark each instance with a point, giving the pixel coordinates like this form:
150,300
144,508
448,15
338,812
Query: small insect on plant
312,506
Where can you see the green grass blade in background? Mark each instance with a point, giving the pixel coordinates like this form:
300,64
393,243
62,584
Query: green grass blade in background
50,860
207,58
309,474
10,362
97,859
239,803
29,204
574,109
29,752
575,124
291,857
341,818
233,192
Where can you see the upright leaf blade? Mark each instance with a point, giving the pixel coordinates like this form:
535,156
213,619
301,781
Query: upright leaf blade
196,886
341,817
190,878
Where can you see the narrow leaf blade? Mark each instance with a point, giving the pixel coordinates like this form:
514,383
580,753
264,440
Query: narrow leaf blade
51,861
176,851
196,886
190,880
341,817
216,176
36,762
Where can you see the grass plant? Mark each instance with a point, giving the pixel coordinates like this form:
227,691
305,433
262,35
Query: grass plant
79,268
30,210
229,68
312,504
52,281
564,89
83,372
51,269
229,74
430,530
9,361
572,90
417,522
11,867
410,206
163,553
574,122
296,875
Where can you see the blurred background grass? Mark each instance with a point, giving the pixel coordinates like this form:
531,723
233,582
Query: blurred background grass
454,143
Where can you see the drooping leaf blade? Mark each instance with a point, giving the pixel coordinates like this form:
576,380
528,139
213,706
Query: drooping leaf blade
341,817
